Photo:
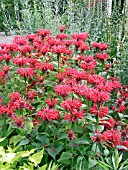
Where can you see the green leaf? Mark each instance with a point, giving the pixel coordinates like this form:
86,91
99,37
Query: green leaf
105,165
16,139
9,157
83,140
26,153
37,157
102,165
29,127
2,151
92,163
81,163
115,160
43,167
54,151
65,158
2,139
24,142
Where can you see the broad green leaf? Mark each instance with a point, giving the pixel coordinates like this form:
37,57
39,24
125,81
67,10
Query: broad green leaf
29,127
81,163
9,157
2,151
92,163
106,151
83,140
54,167
2,139
65,158
44,167
54,151
24,142
16,139
37,157
26,153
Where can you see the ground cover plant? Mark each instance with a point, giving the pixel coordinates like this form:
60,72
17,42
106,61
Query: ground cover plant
60,105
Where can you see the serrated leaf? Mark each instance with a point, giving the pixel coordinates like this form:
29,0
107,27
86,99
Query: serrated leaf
37,157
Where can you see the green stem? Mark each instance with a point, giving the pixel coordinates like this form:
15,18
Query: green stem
4,126
58,59
98,116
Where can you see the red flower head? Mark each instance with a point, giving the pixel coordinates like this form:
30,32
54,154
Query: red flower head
14,96
63,90
62,28
43,33
71,105
71,135
48,114
51,102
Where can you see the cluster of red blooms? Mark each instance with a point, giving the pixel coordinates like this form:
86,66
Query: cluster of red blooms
32,59
112,137
73,108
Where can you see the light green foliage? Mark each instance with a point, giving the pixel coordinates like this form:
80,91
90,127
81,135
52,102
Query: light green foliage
115,162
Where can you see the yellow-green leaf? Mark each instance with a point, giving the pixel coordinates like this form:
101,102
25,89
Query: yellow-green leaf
37,157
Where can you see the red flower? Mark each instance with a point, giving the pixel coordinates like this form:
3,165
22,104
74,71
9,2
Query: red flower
62,28
2,74
44,66
26,72
101,46
125,143
112,137
94,109
51,102
20,60
84,47
80,36
48,114
97,137
74,115
31,94
36,122
62,90
71,105
122,108
71,135
102,111
43,33
88,65
102,57
20,40
14,96
61,36
108,123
